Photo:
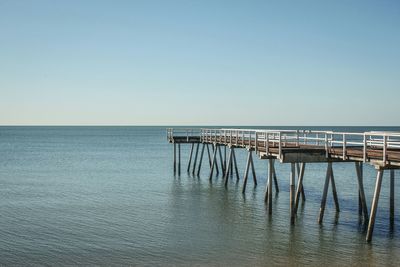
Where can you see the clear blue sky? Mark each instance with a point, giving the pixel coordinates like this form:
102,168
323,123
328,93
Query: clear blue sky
199,62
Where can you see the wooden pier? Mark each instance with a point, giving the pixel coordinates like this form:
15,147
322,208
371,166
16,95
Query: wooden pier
297,148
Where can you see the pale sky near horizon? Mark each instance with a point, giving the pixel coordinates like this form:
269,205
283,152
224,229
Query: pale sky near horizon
199,62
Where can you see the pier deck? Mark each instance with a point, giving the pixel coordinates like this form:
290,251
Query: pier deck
297,147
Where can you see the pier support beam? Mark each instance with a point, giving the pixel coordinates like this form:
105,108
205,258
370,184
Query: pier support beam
303,196
229,167
274,175
361,194
209,156
201,159
195,158
235,163
174,158
271,165
221,160
210,159
391,197
190,157
249,164
213,163
329,178
268,189
179,159
292,192
374,205
299,186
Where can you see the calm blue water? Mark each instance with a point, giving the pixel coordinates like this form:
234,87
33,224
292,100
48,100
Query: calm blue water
108,196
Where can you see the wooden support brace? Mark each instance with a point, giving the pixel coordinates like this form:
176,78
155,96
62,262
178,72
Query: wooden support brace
235,163
225,166
303,196
374,205
216,162
362,201
299,186
359,167
190,157
246,172
292,189
391,196
229,164
209,156
195,158
268,190
325,192
201,159
179,159
335,197
253,170
174,158
274,175
214,159
221,160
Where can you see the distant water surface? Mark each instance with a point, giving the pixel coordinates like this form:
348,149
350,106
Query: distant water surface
108,196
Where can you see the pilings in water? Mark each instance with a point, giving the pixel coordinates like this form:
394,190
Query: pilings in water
362,203
190,157
268,189
218,156
292,197
329,178
232,164
300,189
249,163
374,206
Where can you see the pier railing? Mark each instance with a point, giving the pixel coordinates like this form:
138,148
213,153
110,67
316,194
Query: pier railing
183,132
268,139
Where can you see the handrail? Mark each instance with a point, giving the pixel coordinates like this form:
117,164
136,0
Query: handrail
282,138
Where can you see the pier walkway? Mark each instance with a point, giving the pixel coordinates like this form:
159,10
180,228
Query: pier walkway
296,147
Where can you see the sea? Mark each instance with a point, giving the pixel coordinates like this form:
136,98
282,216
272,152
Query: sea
108,196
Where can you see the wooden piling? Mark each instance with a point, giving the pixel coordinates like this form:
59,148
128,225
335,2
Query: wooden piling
174,158
221,160
201,159
325,192
209,156
225,159
229,164
235,163
274,176
303,196
252,168
268,190
195,158
299,186
190,157
246,172
374,205
334,192
214,158
362,201
359,167
179,159
392,196
216,162
292,190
